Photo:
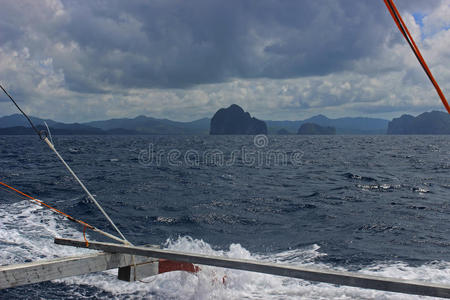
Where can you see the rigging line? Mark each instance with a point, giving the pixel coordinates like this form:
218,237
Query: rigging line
422,61
39,133
49,133
404,30
85,189
22,195
44,136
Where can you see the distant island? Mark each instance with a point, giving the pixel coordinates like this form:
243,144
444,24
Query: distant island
435,122
347,125
314,129
283,131
233,120
17,125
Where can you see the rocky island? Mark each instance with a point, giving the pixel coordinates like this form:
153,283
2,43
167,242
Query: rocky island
314,129
233,120
435,122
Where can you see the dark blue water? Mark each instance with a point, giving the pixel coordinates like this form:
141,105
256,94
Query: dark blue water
361,199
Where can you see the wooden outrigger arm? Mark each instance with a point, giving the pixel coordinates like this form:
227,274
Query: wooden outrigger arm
309,274
150,261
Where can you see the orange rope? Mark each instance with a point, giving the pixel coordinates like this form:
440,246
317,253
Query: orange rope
404,30
39,202
84,235
50,207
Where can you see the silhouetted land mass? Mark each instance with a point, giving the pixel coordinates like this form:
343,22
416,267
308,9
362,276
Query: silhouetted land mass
153,126
435,122
233,120
354,125
140,125
283,131
81,130
236,121
314,129
22,130
148,125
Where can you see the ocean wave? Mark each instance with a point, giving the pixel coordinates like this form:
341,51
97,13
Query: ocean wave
27,230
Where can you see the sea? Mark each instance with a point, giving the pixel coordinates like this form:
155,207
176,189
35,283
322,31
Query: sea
375,205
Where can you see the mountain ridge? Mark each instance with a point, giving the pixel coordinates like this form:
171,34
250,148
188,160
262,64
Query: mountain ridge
148,125
434,122
345,125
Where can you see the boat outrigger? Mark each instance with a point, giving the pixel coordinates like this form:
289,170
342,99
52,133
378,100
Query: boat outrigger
138,262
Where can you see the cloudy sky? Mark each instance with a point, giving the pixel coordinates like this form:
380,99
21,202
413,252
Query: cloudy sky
279,59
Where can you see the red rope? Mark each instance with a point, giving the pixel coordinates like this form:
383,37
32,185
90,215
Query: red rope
404,30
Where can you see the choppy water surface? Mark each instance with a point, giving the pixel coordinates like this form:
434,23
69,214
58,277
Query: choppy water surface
371,204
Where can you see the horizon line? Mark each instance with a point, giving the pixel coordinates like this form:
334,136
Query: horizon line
163,118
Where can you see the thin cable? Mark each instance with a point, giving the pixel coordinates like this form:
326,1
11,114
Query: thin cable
26,116
422,60
404,30
49,133
85,189
406,34
43,135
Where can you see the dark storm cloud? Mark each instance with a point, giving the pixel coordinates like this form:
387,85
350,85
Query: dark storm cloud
79,58
191,42
177,44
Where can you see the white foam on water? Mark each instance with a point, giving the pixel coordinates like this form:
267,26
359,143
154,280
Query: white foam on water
27,232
